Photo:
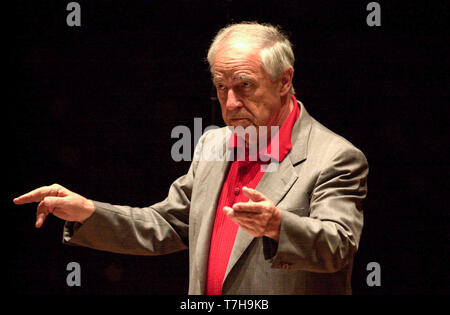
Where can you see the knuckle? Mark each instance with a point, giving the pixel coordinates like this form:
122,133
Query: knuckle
55,187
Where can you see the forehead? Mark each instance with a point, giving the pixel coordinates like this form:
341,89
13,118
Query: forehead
237,58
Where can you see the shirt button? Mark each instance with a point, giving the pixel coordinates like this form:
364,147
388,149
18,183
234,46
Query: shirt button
285,265
237,190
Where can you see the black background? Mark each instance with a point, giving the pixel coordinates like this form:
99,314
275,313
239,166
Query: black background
92,108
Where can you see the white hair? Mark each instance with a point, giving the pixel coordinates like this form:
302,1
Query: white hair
275,48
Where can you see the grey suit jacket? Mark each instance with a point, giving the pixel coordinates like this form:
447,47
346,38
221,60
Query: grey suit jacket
319,186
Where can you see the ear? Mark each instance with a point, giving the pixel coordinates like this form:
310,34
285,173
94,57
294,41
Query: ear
286,81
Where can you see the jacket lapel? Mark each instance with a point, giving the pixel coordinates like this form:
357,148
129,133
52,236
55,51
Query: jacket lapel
215,173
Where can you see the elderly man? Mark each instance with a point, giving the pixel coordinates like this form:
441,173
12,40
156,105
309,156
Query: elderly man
293,230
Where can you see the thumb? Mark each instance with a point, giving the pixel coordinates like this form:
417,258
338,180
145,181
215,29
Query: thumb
228,211
253,194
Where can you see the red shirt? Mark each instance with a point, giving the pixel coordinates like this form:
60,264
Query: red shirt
241,173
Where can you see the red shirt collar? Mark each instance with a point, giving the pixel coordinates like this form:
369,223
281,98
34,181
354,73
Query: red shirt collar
284,137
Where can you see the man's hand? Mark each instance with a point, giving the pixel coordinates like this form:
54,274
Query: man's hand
258,216
59,201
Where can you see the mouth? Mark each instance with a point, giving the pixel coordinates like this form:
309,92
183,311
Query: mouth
243,122
239,119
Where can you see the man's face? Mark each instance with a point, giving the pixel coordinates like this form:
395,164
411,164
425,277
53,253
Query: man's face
246,93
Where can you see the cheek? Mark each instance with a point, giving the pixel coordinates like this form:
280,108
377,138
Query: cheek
259,109
263,115
265,105
223,110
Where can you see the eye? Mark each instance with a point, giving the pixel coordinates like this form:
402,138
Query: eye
247,85
220,87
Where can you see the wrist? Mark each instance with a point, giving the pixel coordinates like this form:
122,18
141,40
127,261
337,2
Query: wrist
89,208
273,230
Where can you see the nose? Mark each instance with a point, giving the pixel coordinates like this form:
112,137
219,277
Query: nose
233,101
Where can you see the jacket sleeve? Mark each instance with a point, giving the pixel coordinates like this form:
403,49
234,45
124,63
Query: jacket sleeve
155,230
327,239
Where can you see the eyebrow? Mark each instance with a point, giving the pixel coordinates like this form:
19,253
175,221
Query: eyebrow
216,79
242,77
238,77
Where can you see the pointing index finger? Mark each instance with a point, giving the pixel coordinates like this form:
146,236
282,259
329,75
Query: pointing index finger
36,195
